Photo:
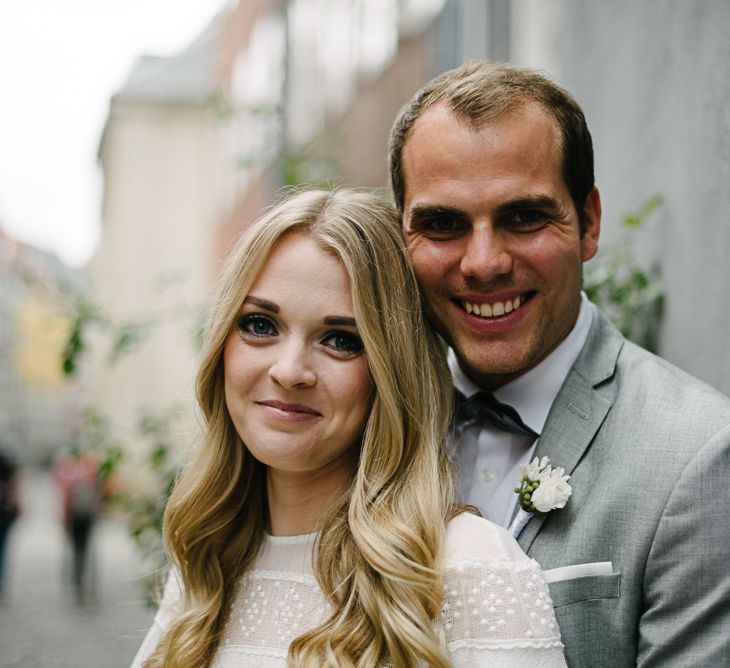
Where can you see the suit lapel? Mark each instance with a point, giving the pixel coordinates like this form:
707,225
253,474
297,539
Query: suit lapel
580,408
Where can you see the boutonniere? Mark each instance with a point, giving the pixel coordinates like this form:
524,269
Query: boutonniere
542,488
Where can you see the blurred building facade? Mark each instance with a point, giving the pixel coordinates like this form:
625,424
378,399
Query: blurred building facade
305,91
160,205
197,145
652,78
40,410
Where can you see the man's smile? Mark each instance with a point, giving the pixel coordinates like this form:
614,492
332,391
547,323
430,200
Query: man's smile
494,309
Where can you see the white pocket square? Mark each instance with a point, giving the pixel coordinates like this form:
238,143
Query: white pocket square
578,571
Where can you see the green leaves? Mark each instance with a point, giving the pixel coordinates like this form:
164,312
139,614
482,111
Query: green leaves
632,220
84,314
123,337
127,337
630,294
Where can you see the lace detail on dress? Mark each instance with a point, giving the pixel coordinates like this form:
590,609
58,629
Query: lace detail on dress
460,564
497,604
490,604
496,609
270,609
302,578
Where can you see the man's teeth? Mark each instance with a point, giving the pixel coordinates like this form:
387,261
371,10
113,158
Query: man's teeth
494,309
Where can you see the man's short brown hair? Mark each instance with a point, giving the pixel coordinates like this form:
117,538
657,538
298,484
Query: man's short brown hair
478,91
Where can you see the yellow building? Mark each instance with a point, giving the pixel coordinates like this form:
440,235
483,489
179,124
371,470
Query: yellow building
40,410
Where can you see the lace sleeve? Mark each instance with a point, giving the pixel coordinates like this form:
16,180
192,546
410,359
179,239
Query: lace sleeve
169,605
497,609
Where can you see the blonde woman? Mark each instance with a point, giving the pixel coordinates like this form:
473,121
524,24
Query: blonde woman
315,526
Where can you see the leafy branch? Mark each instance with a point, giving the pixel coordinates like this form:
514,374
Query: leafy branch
126,336
630,294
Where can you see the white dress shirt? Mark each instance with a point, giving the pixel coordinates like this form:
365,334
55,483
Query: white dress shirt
488,462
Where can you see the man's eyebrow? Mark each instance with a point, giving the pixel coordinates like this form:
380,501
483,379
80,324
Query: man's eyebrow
537,202
261,303
420,214
340,320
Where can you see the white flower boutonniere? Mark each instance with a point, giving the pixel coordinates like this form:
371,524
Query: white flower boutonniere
542,488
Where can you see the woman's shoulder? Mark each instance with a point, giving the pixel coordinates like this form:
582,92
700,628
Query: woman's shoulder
470,537
496,607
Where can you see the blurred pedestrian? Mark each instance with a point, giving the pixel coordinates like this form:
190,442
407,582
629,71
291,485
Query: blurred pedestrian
9,507
77,477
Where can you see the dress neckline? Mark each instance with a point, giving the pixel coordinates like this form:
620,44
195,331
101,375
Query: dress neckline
299,539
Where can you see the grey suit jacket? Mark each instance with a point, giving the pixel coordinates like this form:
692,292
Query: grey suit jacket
648,450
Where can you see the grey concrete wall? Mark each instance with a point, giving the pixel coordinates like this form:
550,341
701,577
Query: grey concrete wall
654,80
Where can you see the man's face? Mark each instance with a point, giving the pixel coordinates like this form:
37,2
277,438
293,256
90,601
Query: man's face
494,237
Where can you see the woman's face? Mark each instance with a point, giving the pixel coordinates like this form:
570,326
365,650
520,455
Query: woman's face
297,383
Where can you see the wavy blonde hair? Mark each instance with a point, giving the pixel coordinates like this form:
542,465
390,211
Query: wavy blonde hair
378,554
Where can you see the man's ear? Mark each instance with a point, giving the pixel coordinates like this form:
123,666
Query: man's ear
592,229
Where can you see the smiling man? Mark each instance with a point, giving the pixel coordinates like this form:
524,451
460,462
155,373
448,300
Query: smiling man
492,172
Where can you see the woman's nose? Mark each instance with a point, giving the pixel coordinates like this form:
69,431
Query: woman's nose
293,368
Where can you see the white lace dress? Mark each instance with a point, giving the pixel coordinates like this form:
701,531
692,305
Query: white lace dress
496,612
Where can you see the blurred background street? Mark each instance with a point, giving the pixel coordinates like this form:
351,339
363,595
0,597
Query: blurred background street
41,625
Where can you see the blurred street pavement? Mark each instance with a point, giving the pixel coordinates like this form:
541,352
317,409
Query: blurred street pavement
41,626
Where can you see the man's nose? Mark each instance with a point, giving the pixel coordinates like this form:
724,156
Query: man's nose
486,255
293,367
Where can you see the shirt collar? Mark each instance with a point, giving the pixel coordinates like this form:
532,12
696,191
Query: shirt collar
532,394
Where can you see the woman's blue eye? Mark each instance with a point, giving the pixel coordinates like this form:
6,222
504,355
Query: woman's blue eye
258,325
344,342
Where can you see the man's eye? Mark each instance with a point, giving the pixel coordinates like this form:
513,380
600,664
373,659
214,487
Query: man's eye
528,217
443,225
437,222
343,342
256,325
446,227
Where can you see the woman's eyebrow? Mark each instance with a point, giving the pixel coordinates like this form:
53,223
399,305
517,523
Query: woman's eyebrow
340,320
262,303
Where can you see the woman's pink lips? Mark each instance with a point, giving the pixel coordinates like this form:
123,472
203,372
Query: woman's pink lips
289,412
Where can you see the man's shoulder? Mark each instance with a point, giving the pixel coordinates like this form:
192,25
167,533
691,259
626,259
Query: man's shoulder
646,372
648,383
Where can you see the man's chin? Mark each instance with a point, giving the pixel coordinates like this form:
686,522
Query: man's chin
503,364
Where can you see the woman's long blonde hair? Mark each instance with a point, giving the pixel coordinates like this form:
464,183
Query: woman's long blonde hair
379,548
